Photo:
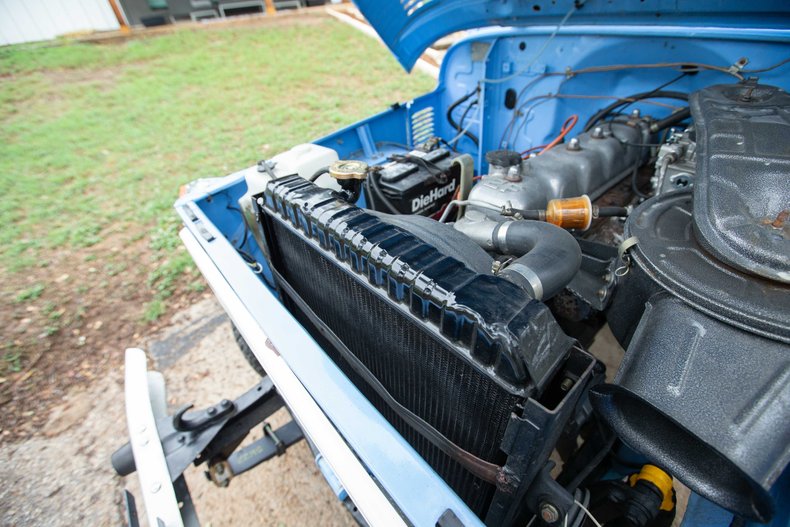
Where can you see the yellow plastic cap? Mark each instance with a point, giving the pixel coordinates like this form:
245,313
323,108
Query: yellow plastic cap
661,480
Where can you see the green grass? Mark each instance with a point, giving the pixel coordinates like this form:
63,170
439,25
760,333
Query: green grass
95,140
31,293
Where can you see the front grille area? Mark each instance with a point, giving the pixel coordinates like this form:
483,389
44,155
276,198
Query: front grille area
451,364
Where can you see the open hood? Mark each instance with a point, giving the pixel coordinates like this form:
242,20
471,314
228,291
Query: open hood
409,27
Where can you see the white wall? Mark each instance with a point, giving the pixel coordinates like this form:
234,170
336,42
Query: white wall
32,20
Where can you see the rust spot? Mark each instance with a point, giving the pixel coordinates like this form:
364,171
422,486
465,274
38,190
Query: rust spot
780,220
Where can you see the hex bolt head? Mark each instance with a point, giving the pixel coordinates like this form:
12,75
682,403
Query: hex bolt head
211,411
636,114
597,132
549,512
574,144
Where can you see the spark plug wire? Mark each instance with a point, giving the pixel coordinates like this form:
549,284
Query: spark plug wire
567,126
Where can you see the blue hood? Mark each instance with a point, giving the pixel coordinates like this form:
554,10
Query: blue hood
409,27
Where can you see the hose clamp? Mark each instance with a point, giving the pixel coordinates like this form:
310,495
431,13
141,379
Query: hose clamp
624,255
500,236
533,279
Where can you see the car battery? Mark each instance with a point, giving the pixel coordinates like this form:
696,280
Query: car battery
419,182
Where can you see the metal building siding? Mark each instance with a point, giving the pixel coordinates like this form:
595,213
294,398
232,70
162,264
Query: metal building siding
34,20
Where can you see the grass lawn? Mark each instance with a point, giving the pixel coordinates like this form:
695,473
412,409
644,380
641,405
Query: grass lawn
95,141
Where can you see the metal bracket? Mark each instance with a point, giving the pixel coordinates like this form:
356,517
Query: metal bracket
209,436
273,443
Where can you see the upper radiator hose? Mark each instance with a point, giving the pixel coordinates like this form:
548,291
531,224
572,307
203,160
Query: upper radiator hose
549,257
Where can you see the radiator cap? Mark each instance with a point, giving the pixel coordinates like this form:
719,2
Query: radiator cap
348,169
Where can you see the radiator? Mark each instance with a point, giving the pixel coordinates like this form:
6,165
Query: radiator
418,332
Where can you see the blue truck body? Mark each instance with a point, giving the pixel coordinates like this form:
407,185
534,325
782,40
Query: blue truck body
705,32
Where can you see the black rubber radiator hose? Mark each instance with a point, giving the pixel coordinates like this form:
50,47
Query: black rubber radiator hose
551,257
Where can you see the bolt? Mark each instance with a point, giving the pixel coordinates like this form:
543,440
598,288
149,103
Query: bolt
602,293
607,277
567,384
549,512
224,403
597,132
636,114
574,144
211,411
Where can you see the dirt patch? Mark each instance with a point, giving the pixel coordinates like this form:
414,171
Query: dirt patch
63,476
90,309
103,78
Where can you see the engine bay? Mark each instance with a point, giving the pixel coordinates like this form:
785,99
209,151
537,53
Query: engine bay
458,268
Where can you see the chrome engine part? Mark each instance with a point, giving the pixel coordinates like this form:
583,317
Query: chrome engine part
587,164
675,166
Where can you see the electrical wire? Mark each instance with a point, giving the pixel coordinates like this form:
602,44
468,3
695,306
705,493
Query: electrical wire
657,93
518,98
567,126
585,495
369,197
529,151
769,68
247,257
550,96
438,174
685,69
395,144
379,194
463,132
457,126
588,513
466,112
574,7
620,107
635,182
243,222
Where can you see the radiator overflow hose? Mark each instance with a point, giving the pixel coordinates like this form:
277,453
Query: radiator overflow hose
550,256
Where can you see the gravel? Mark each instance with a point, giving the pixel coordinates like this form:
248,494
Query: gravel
63,476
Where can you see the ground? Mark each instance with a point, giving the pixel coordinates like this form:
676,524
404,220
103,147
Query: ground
95,141
62,476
